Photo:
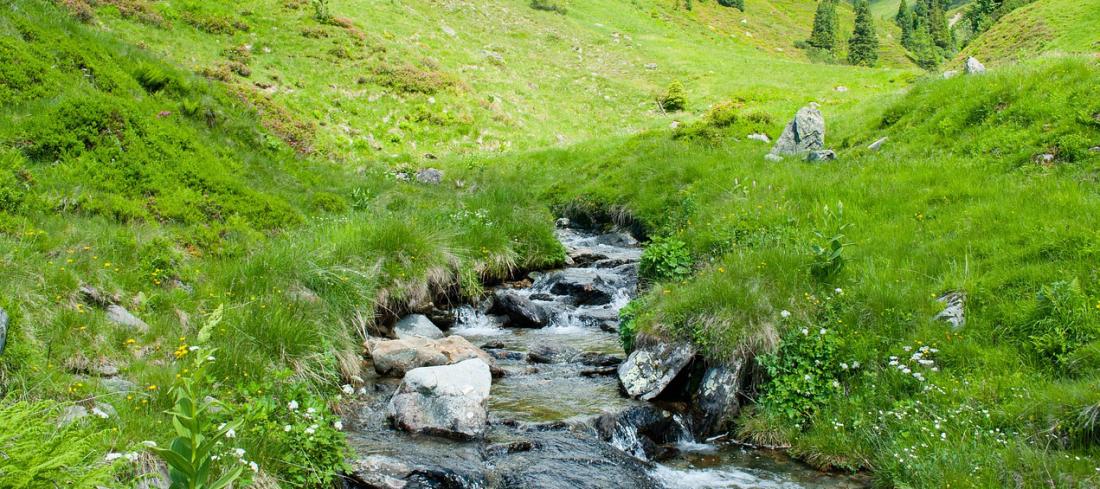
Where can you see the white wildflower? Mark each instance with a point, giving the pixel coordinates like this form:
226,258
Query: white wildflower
823,331
193,348
348,389
238,452
311,430
844,365
808,377
253,466
838,291
805,331
338,425
286,428
311,411
292,405
210,358
785,313
907,348
131,456
231,433
111,457
855,365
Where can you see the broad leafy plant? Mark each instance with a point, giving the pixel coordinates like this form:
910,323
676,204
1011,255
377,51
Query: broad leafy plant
191,456
666,259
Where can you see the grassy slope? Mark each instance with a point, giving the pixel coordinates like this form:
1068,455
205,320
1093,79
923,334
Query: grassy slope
375,242
934,211
528,78
1046,27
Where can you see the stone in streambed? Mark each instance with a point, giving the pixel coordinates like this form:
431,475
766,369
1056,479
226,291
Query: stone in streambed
416,325
448,400
585,286
521,311
396,357
652,367
716,402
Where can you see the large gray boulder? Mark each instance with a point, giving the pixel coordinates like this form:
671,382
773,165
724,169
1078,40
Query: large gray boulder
716,401
416,325
805,133
521,311
652,367
3,329
396,357
973,66
449,400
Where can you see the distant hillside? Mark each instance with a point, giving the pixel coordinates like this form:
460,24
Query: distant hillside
403,80
1049,27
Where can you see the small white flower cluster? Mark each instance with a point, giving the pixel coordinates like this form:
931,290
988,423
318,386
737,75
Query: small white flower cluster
129,456
919,359
480,216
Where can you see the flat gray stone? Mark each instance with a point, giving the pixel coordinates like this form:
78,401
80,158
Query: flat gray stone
954,311
119,315
877,144
416,325
973,66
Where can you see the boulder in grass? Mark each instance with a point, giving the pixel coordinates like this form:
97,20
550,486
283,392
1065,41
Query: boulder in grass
973,66
448,400
805,133
119,315
716,400
3,329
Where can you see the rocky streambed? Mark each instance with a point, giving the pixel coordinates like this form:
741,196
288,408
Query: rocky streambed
530,389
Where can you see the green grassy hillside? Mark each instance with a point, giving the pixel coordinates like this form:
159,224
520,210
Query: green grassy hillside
1046,27
398,80
264,192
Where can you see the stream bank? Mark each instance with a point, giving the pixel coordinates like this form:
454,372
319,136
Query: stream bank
558,413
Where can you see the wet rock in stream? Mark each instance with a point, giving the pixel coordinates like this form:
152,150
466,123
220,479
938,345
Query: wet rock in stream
446,400
521,311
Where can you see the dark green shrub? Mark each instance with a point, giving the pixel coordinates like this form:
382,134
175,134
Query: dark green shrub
737,4
555,6
327,202
674,98
666,259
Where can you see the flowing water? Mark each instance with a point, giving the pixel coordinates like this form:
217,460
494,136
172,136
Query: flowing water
557,418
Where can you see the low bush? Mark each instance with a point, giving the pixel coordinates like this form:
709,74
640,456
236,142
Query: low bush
674,99
666,258
556,6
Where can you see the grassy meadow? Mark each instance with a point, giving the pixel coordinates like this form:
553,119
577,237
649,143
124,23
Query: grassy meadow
137,158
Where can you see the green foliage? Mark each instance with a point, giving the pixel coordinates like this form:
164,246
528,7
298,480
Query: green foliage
193,455
628,324
824,33
828,252
556,6
674,98
806,369
328,202
39,453
863,45
295,429
1060,322
666,258
737,4
321,12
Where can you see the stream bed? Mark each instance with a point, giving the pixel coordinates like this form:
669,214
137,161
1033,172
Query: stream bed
557,416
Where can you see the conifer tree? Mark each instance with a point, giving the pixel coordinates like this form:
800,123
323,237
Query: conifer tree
737,4
825,26
863,45
937,24
902,15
